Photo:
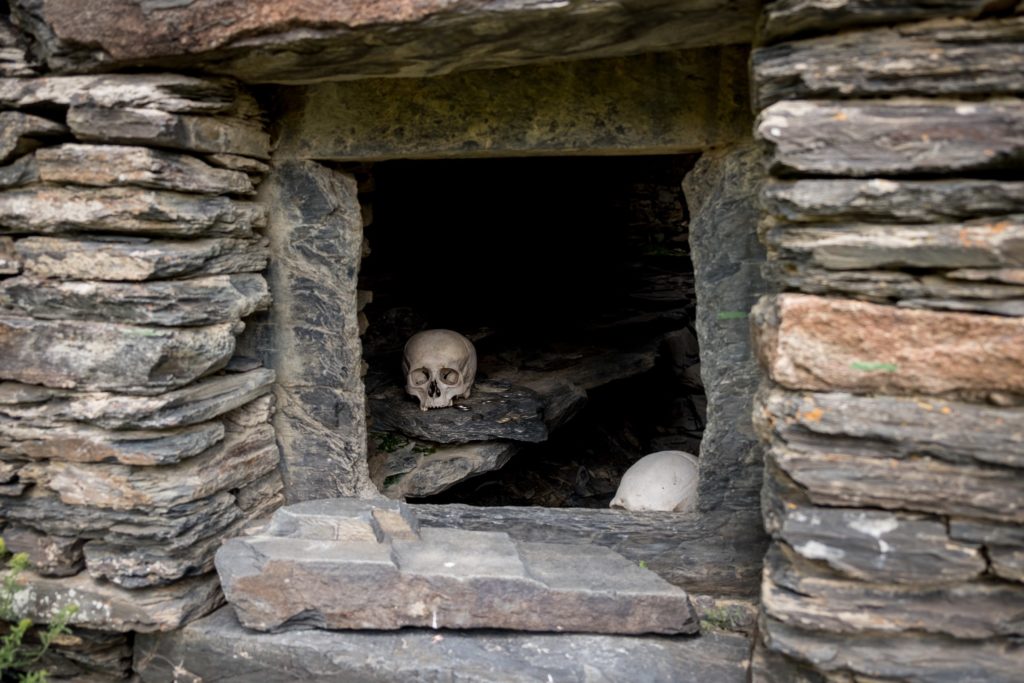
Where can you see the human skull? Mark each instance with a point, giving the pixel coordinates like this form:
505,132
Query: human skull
439,366
665,481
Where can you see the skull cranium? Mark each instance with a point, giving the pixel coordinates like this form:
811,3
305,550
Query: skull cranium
439,366
664,481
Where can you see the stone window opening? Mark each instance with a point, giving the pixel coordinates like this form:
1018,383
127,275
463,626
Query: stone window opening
572,277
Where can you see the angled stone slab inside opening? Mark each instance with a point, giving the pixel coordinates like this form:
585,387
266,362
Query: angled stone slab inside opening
351,564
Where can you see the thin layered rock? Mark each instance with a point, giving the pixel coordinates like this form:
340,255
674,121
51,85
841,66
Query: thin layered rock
52,209
213,135
96,356
21,133
138,259
194,403
114,166
174,303
165,92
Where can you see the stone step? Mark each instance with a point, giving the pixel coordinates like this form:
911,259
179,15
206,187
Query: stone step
217,648
356,564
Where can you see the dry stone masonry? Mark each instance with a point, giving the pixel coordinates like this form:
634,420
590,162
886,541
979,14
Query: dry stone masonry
893,411
132,441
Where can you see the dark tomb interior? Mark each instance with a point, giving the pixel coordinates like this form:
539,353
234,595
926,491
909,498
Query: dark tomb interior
563,272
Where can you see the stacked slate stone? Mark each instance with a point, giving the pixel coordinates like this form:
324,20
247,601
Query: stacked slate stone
131,441
893,418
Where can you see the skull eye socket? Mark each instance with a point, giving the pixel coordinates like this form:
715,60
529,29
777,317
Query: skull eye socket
450,377
419,377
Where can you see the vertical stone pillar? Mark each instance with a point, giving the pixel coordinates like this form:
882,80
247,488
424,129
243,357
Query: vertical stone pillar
311,337
721,192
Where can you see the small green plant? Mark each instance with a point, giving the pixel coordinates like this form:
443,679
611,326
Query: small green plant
15,654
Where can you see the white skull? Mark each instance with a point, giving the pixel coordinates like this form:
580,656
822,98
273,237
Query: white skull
664,481
439,366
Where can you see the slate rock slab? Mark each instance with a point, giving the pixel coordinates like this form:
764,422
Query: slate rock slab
352,564
86,355
197,402
138,258
211,649
806,594
402,467
20,133
165,92
106,607
174,303
870,545
494,410
52,209
828,344
113,165
151,127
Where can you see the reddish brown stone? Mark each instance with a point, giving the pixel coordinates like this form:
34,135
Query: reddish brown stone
825,344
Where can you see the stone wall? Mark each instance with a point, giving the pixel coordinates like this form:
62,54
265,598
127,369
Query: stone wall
132,440
894,406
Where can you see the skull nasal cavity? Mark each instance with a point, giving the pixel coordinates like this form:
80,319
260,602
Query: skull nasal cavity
449,376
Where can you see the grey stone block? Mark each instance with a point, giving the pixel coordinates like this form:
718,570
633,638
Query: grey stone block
441,578
217,648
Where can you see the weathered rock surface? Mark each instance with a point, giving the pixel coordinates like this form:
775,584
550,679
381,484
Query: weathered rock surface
136,259
106,607
257,43
48,555
721,193
939,58
881,200
210,649
22,171
784,18
177,527
83,443
495,410
402,467
666,102
900,136
1004,544
820,344
140,565
89,656
20,133
10,264
919,483
197,301
50,209
313,341
397,575
912,657
242,457
982,243
891,426
111,166
197,402
872,545
948,291
151,127
234,162
95,356
166,92
715,553
807,595
15,59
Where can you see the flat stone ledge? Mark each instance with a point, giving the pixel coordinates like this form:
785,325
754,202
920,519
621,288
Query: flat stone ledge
217,648
354,564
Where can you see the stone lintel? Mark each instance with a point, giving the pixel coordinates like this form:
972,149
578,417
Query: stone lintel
675,102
